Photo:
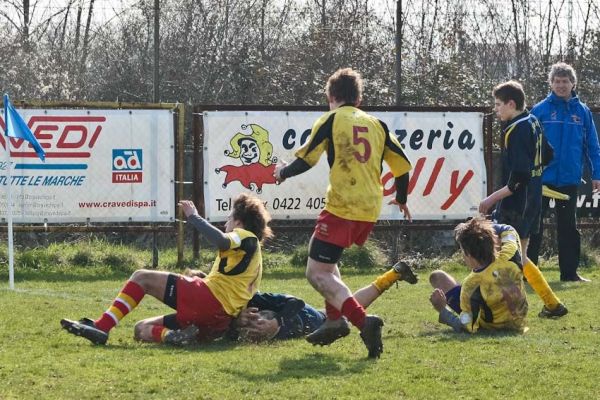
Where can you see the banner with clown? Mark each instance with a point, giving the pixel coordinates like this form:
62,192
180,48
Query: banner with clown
242,148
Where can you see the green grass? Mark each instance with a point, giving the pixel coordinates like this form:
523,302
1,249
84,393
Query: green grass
556,359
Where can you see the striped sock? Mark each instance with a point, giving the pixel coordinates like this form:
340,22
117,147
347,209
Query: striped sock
129,297
158,333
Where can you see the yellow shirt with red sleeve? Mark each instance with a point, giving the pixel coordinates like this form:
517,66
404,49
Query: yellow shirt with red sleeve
356,145
236,273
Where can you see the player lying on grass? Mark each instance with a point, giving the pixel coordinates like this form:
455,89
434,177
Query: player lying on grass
492,296
205,306
272,316
279,317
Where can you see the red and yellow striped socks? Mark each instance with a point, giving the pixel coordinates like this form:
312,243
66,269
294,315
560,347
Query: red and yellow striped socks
158,333
129,297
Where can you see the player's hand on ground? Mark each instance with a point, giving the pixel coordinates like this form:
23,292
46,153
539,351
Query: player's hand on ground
278,168
403,208
188,207
595,185
246,316
438,299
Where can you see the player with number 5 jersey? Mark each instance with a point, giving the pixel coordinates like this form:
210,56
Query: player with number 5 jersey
356,145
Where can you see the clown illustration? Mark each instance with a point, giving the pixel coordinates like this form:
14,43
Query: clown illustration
256,154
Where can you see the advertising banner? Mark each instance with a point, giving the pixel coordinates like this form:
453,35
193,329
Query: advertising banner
588,202
241,149
101,166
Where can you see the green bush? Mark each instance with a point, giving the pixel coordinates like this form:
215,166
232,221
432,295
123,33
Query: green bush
83,257
37,258
299,256
364,257
275,260
589,256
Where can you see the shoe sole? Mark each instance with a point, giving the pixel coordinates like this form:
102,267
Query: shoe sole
79,329
375,349
550,314
406,273
323,338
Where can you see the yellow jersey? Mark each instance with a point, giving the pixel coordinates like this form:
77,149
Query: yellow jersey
356,144
236,272
494,297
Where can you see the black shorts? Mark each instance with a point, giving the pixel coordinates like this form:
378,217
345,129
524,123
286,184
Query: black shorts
525,224
324,252
170,299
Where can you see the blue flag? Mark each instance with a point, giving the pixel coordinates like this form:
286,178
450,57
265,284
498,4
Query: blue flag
17,128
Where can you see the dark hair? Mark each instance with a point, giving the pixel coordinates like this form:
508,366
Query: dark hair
511,90
251,212
477,238
345,85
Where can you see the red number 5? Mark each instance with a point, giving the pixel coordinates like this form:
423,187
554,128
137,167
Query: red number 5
356,130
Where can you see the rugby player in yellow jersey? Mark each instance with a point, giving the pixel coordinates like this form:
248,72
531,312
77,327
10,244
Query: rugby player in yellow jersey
356,145
204,306
493,295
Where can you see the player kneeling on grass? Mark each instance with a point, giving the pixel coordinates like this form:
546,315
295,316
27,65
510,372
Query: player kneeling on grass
204,306
279,316
492,296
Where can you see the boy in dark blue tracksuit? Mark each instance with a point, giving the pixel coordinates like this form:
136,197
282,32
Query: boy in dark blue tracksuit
519,200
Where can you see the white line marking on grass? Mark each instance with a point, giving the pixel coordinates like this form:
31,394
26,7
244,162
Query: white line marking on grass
54,293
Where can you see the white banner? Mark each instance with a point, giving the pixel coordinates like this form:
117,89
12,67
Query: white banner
241,149
101,166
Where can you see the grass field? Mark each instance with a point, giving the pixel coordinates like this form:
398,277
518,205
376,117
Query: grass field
556,359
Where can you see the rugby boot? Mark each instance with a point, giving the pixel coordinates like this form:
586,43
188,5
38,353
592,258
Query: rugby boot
371,335
556,313
406,273
329,332
182,337
86,328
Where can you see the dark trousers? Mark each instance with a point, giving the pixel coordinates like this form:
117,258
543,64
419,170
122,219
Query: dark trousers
569,238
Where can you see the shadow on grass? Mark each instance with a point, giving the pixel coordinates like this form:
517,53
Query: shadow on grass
129,345
451,336
314,365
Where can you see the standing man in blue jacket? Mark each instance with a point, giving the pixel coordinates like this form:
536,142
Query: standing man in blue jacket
569,127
